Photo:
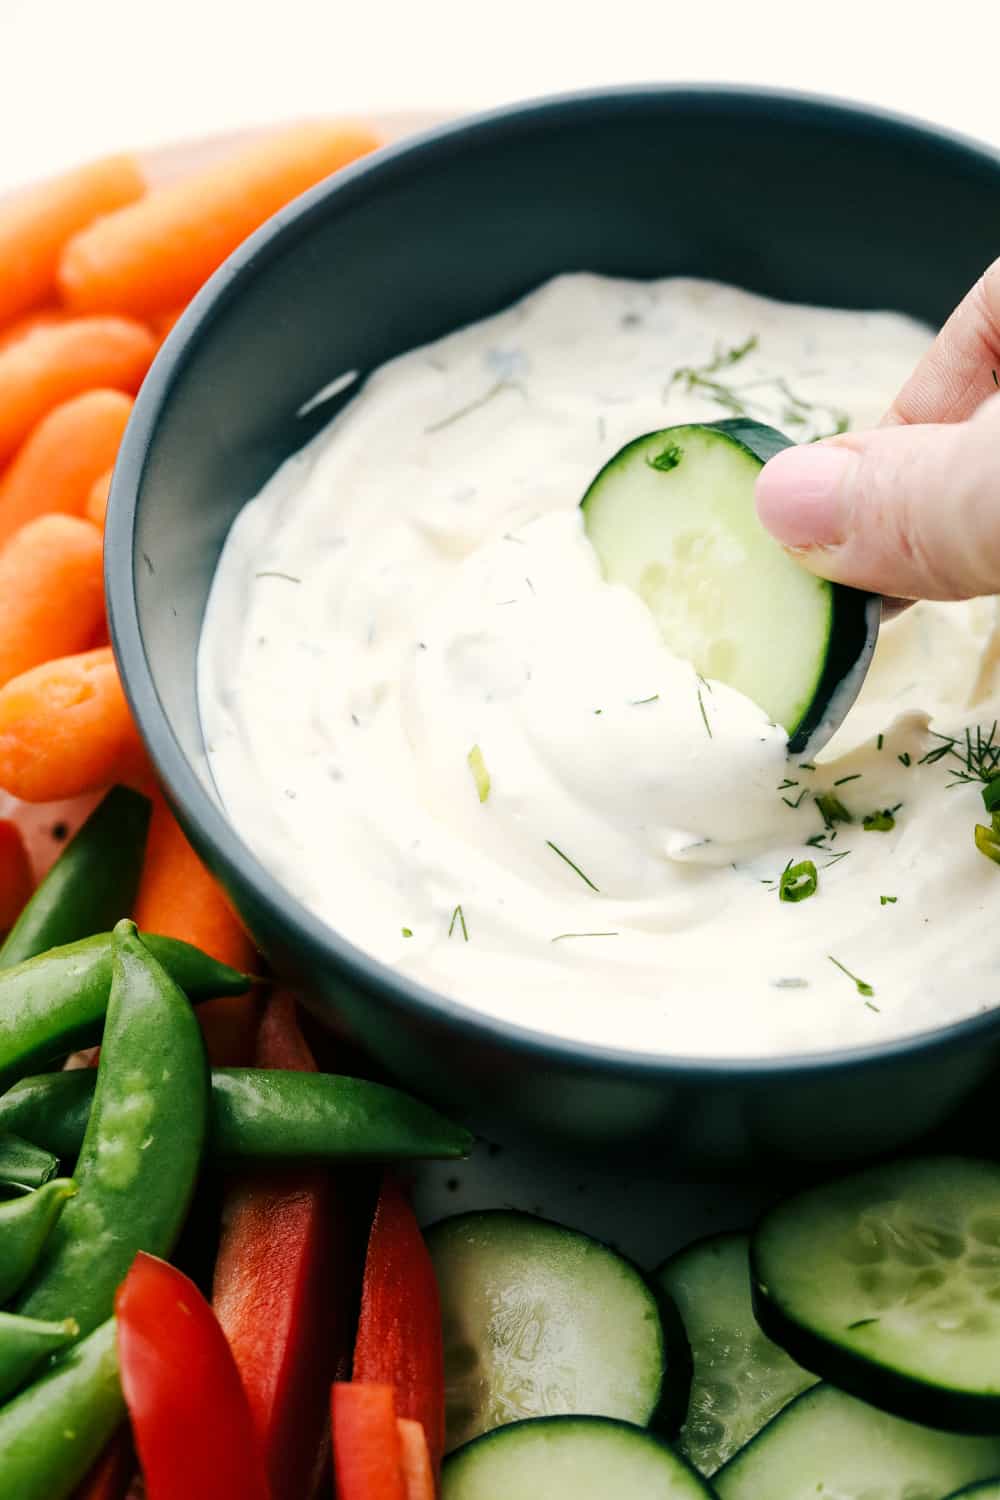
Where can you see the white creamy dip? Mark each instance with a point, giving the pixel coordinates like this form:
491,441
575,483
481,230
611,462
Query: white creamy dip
416,585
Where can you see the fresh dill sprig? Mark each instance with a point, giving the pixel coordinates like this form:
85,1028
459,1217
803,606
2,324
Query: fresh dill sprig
561,935
831,809
274,573
845,779
565,857
862,985
817,841
784,785
638,702
836,858
905,759
458,915
796,801
704,715
471,406
880,742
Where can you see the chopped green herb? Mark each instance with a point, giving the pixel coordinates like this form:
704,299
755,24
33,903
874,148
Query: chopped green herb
991,795
880,742
796,801
879,822
861,1323
480,775
817,841
798,882
638,702
458,915
559,936
585,878
464,411
784,785
806,765
905,759
862,987
704,715
598,710
988,840
667,460
407,931
273,573
845,779
832,810
836,858
887,900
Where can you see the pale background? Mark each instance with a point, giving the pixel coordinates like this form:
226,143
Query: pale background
81,77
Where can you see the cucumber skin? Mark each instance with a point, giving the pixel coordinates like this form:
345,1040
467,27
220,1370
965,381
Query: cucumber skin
984,1489
854,619
968,1413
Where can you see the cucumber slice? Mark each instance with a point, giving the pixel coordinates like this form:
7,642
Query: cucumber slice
990,1490
830,1446
569,1458
741,1380
888,1283
672,517
540,1320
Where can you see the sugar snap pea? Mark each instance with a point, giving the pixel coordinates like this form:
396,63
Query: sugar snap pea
142,1148
55,1003
53,1430
91,884
24,1344
259,1115
23,1165
25,1225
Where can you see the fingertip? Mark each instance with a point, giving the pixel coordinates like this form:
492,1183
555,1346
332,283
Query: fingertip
800,494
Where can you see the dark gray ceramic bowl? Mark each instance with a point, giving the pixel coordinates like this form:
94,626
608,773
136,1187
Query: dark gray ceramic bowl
795,197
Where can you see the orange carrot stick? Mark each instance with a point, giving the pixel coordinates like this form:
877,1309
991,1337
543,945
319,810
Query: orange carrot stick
415,1460
56,467
95,506
30,323
179,898
15,874
154,255
36,224
59,362
51,592
65,729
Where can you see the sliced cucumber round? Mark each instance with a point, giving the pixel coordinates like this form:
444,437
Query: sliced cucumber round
672,517
829,1446
540,1320
888,1283
570,1458
741,1379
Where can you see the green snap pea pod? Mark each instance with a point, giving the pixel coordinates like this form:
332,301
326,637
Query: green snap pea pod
24,1344
91,884
25,1225
260,1115
54,1004
142,1148
23,1165
52,1432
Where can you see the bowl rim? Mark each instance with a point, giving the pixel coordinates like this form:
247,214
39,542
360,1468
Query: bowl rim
185,789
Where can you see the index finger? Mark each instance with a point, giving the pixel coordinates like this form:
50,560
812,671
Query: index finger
962,366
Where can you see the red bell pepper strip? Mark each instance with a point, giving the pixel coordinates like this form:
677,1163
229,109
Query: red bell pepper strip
285,1286
366,1457
189,1412
399,1339
111,1475
415,1460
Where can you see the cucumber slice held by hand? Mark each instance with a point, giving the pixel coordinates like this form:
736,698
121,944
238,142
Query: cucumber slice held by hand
672,517
569,1458
741,1379
887,1283
542,1320
827,1444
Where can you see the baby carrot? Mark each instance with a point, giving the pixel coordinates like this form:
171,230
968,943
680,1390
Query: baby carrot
152,256
65,729
95,507
180,899
51,592
61,361
15,874
56,467
36,224
30,323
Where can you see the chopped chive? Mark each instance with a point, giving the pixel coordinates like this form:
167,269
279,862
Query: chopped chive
407,931
480,775
798,882
565,857
887,900
559,936
863,988
704,715
879,822
845,779
832,810
458,915
905,759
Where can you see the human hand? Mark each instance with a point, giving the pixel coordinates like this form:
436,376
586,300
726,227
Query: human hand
911,509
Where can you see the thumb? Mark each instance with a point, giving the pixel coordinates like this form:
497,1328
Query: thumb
911,511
